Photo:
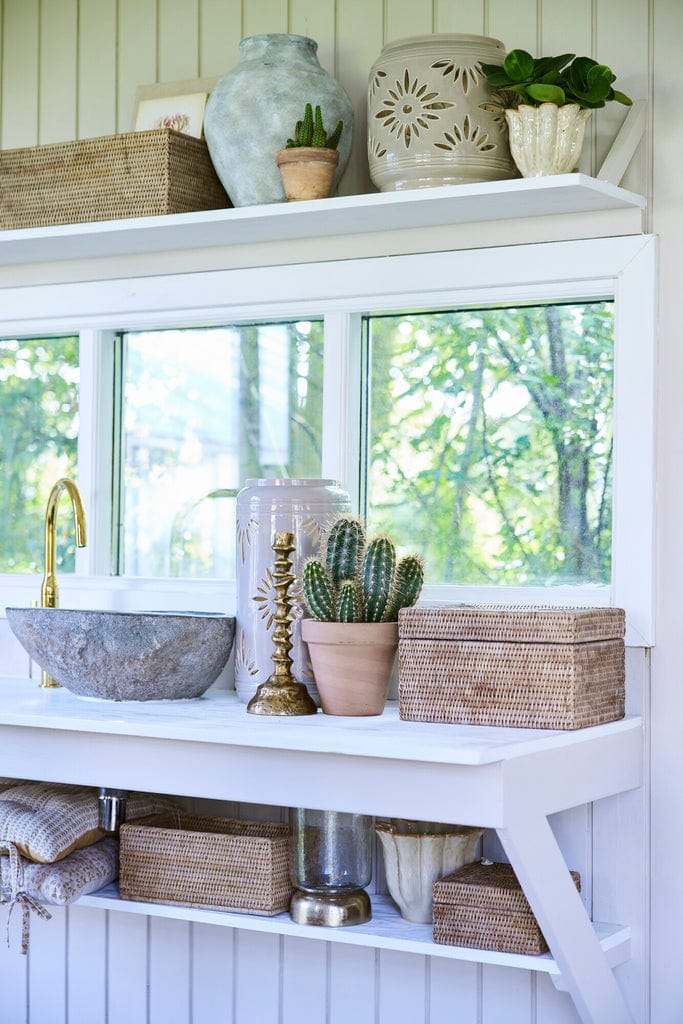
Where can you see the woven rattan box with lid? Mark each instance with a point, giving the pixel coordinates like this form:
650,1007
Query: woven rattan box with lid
197,861
136,174
482,906
514,666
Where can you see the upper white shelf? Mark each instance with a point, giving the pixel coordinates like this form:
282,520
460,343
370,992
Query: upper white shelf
319,219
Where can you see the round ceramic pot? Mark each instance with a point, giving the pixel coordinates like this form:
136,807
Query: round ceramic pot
432,117
307,171
416,854
253,110
305,508
352,664
547,139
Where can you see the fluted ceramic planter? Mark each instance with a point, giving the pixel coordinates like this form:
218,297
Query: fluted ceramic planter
416,854
352,664
546,139
254,108
432,118
306,508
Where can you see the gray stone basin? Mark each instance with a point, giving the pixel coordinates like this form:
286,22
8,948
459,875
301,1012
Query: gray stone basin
126,655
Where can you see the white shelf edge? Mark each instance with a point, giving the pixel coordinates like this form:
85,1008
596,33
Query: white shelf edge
387,930
342,215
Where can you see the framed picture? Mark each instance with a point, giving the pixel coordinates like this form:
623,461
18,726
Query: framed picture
177,105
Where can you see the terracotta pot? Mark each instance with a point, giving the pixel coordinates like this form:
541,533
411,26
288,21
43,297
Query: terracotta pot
352,663
547,139
307,171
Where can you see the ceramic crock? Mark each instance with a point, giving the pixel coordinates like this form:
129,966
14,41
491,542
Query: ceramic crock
547,139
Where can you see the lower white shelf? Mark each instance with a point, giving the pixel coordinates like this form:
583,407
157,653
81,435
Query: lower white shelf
386,930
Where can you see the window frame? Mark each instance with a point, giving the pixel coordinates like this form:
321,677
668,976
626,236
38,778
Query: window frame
622,268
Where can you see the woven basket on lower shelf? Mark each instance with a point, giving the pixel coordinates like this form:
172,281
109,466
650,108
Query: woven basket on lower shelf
482,906
136,174
197,861
542,668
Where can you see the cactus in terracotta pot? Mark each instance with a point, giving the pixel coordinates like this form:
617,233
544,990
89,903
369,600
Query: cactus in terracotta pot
309,160
360,580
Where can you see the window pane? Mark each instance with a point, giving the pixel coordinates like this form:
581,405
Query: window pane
38,445
205,409
490,445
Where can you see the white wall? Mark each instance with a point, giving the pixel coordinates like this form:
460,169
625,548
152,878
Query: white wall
70,68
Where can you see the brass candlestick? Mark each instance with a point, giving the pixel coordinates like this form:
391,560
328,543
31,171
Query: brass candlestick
281,694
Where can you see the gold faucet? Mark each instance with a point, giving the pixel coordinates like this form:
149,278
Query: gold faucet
49,592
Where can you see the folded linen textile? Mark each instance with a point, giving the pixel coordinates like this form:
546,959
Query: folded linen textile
47,821
29,886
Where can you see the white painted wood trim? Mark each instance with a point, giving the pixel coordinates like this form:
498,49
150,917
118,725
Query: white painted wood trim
625,144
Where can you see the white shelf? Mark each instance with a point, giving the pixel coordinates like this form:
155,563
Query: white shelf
319,219
386,930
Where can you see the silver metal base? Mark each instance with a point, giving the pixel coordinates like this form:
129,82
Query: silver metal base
334,911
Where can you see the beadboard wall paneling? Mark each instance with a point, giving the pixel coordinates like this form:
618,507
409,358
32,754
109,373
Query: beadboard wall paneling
220,31
137,55
260,16
58,64
97,93
20,73
460,16
178,40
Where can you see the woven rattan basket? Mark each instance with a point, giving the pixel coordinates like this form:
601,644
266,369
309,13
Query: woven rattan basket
482,906
540,668
136,174
195,861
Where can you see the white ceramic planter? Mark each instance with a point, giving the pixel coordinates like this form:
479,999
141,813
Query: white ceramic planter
430,120
546,139
305,508
416,854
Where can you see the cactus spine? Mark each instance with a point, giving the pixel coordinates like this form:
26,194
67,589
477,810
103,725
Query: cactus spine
360,581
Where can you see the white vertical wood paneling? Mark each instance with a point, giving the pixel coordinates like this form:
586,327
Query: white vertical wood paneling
262,16
317,21
178,40
357,49
569,29
402,987
212,980
516,25
96,68
47,969
220,31
87,966
127,988
13,972
257,978
553,1007
453,987
304,981
507,995
58,70
137,55
402,20
460,16
20,73
353,988
169,971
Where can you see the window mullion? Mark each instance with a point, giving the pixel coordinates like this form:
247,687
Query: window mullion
341,445
95,439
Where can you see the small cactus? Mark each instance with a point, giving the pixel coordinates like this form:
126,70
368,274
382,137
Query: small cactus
360,581
311,132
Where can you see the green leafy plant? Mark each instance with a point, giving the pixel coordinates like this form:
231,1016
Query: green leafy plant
360,580
561,80
310,131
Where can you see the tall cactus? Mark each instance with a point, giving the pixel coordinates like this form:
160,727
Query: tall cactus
311,132
360,581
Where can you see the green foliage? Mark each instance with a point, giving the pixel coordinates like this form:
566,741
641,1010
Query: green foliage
39,411
310,131
491,447
561,80
359,580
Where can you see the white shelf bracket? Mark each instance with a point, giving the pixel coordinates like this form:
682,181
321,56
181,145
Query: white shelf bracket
625,144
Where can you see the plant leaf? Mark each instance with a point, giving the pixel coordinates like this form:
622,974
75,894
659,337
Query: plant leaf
547,94
550,64
519,65
621,97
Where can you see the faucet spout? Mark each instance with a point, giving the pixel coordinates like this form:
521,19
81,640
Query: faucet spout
49,592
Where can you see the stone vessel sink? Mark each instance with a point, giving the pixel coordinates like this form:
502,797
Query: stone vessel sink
126,655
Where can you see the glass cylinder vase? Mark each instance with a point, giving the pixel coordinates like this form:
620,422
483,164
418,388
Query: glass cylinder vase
265,507
331,863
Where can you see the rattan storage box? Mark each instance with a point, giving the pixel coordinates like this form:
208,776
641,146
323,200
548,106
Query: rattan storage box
136,174
195,861
542,668
482,906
